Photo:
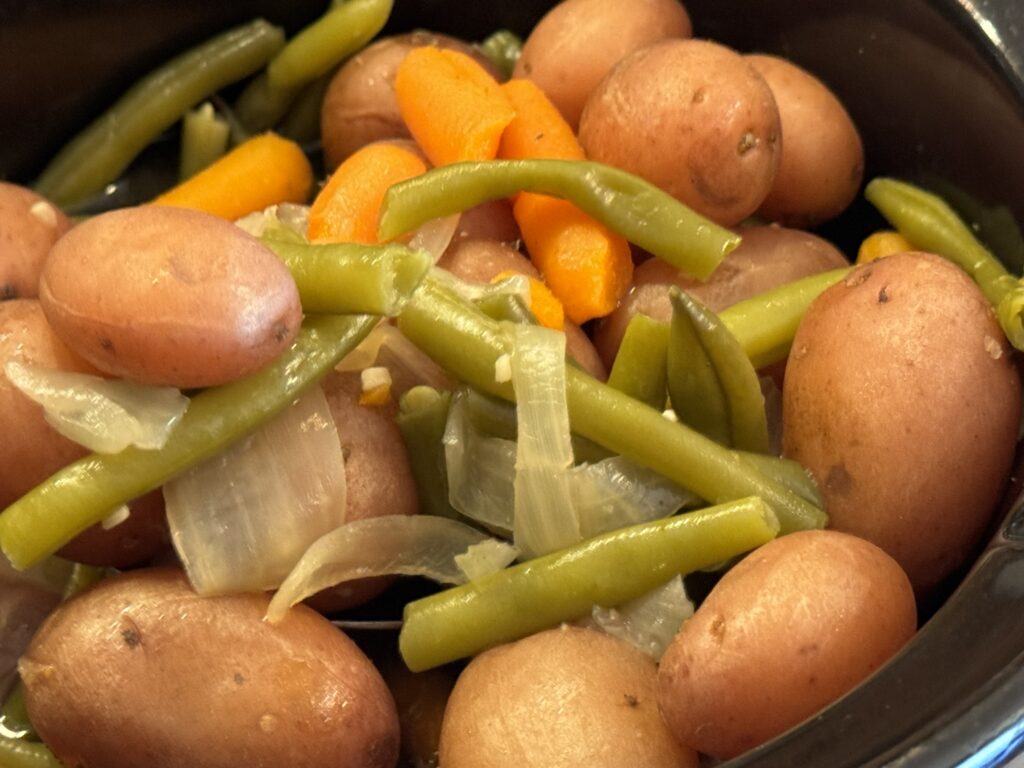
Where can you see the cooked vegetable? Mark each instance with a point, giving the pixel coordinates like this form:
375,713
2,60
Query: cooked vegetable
29,226
17,753
204,139
881,244
97,155
423,413
640,367
503,49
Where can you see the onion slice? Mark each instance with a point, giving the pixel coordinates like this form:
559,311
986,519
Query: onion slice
241,520
435,236
104,415
649,622
421,545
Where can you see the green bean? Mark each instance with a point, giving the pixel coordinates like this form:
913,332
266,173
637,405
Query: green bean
14,716
506,306
98,155
422,416
502,48
84,492
640,367
787,472
468,344
260,106
302,123
16,753
748,422
82,577
929,223
635,209
204,138
344,278
565,585
764,324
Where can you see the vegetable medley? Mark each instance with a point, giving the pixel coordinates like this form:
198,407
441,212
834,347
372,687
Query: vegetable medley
540,324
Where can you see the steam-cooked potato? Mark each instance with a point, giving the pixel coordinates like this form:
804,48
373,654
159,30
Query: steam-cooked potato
29,226
902,398
579,41
563,698
692,117
792,627
139,670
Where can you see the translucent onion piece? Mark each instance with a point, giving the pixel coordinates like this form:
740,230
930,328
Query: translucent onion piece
485,558
421,545
545,518
513,285
435,236
649,622
242,520
104,415
409,366
285,220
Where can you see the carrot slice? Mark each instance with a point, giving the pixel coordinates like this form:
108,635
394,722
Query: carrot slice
544,305
453,108
258,173
347,208
586,265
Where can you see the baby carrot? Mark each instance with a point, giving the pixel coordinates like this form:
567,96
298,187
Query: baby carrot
453,108
260,172
586,265
347,209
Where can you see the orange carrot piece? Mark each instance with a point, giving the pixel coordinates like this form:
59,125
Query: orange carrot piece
347,209
586,265
453,108
258,173
544,305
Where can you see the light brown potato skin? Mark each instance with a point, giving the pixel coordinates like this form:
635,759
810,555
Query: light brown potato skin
169,296
767,258
29,226
789,629
480,261
692,117
141,671
562,698
579,41
902,399
822,160
360,105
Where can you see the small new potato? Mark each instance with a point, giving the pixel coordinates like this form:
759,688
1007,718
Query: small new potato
169,296
140,671
822,160
564,698
579,41
902,399
692,117
788,630
29,225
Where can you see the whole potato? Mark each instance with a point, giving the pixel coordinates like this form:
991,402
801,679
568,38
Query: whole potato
578,42
692,117
902,399
822,160
29,226
792,627
140,671
360,105
562,698
767,257
169,296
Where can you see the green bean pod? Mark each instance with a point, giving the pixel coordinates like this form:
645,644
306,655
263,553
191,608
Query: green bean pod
422,417
787,472
14,716
99,154
16,753
929,223
502,48
260,106
627,204
640,367
204,138
302,122
607,570
83,493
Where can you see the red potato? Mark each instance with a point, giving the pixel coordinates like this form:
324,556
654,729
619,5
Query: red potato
29,226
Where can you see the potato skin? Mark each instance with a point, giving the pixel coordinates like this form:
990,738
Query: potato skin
692,117
822,161
141,671
29,225
902,399
578,42
562,698
792,627
169,296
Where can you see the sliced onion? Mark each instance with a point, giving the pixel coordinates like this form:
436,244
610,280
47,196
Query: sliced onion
485,558
421,545
435,236
241,520
513,285
104,415
287,220
649,622
408,364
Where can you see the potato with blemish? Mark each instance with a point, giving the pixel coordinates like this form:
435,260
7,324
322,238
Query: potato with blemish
140,671
903,400
562,698
791,628
692,117
579,41
169,296
29,225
